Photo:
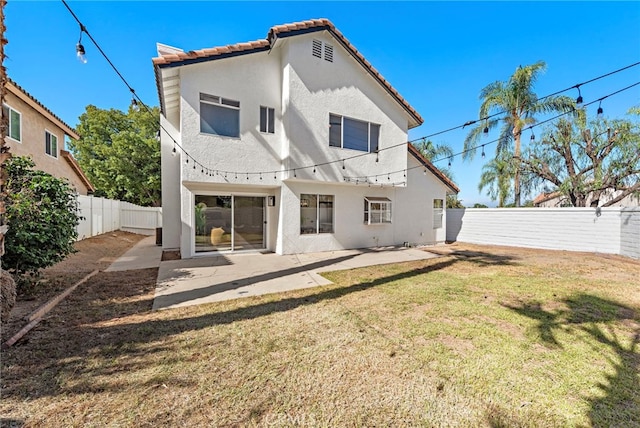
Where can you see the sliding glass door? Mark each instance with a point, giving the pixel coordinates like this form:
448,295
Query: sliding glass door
224,223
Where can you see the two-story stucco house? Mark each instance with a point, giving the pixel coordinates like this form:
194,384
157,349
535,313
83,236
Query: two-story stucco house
36,132
292,144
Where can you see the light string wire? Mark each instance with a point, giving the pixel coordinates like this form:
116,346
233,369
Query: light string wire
197,164
364,179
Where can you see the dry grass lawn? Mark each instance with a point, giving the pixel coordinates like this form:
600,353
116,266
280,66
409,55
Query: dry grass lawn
483,336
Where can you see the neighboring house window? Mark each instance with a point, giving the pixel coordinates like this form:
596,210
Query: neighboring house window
377,210
316,214
15,119
267,120
316,50
438,211
219,116
353,134
50,144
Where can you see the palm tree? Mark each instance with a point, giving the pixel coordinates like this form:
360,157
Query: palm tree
516,99
496,177
433,151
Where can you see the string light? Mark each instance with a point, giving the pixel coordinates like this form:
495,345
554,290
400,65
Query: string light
600,111
533,136
579,99
364,178
81,51
483,155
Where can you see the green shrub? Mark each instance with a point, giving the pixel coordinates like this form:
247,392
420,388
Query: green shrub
42,216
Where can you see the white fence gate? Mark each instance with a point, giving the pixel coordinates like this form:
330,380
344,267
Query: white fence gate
102,215
603,230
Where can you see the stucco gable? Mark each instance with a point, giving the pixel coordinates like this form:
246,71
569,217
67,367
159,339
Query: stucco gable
177,58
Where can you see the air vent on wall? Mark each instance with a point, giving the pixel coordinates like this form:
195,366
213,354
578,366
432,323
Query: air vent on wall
328,53
316,49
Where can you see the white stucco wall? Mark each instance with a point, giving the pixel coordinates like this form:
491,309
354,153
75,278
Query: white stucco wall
630,232
412,215
254,80
573,229
314,89
171,185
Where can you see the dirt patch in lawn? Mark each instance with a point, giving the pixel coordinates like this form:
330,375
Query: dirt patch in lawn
93,253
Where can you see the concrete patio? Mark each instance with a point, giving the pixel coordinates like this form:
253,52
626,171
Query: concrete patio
223,277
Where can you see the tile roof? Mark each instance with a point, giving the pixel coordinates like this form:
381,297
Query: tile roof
431,167
544,197
284,30
66,128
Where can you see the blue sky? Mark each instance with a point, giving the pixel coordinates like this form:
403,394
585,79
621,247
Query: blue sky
438,55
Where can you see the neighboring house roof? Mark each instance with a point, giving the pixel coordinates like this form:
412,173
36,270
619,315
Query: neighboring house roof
431,167
544,197
177,58
76,167
25,96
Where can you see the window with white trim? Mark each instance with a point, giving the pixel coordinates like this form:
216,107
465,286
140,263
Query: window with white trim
377,210
50,144
353,134
316,214
219,116
14,129
438,212
267,120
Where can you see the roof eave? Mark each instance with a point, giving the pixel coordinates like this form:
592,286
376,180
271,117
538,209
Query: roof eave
76,168
25,96
453,189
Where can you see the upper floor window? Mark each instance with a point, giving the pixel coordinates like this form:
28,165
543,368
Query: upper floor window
438,211
267,120
50,144
353,134
219,116
377,210
15,121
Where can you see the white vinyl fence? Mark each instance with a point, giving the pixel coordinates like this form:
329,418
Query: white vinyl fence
102,215
602,230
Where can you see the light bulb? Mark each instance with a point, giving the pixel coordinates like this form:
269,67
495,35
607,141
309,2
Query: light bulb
80,53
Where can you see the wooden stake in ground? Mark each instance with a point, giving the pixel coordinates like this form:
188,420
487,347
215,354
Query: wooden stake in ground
37,316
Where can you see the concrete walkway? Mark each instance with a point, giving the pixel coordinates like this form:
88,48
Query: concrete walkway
211,279
145,254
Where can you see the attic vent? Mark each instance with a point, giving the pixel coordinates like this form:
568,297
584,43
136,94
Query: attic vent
316,49
328,53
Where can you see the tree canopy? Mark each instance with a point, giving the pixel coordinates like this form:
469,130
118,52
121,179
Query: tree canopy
519,103
42,212
583,159
120,153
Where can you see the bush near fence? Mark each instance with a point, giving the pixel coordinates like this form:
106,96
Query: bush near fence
601,230
102,215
